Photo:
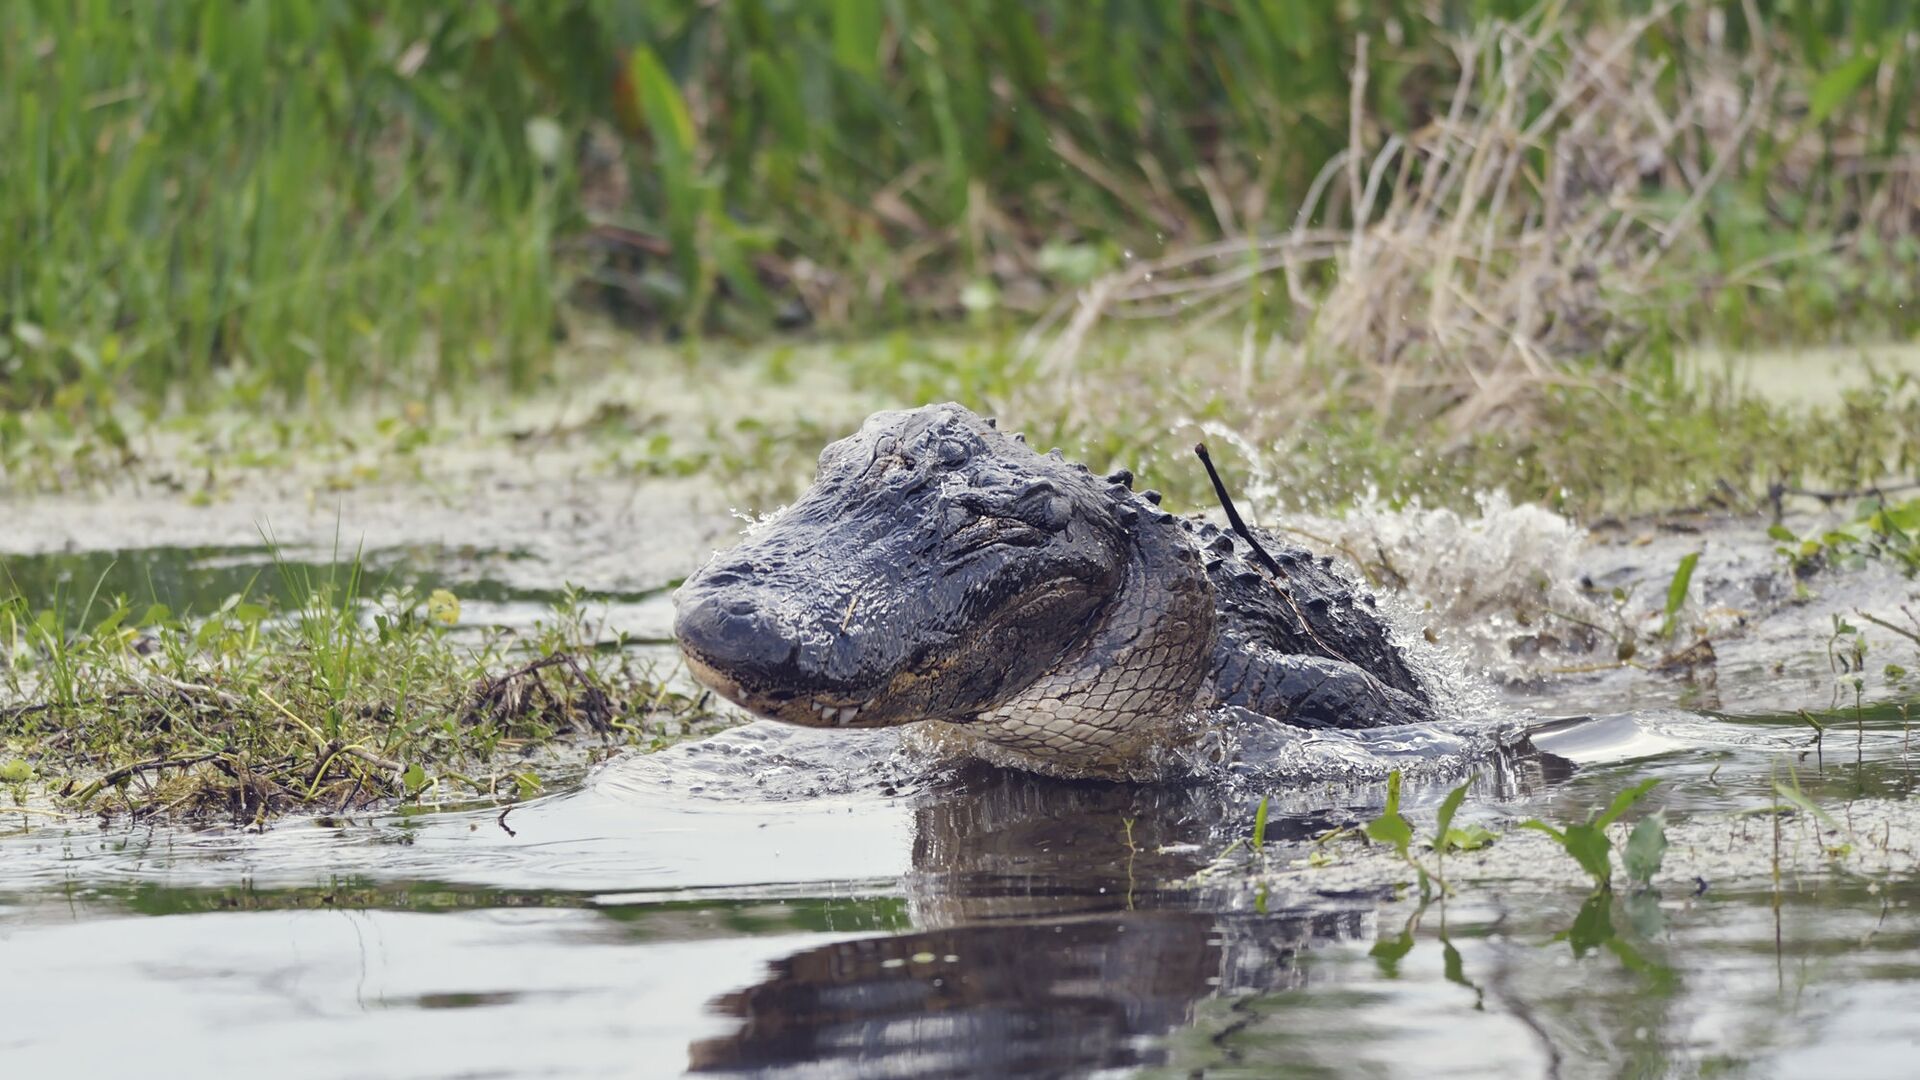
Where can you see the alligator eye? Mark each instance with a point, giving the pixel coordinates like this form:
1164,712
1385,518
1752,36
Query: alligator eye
991,531
1043,506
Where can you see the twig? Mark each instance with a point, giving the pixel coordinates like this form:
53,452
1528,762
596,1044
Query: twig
1266,560
224,698
1880,622
126,771
1233,515
372,758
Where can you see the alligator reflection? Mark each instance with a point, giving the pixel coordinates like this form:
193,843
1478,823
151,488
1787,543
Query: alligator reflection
1058,938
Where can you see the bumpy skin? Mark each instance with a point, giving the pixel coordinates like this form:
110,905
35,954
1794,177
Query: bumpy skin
939,570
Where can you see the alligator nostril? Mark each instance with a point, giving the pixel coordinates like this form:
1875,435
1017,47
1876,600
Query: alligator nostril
736,636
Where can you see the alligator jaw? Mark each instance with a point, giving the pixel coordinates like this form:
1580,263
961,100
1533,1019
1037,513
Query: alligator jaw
809,712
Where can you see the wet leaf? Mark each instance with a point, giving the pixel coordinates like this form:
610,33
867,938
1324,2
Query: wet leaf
1589,846
1471,838
1677,591
1443,824
1625,800
1390,827
1799,801
1646,849
1260,825
414,779
1836,86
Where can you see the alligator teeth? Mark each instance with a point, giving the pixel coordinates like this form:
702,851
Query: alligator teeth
847,715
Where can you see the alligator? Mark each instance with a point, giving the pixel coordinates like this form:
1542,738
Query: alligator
939,570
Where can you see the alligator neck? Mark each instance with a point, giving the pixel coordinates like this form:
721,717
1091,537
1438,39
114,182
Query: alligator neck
1112,702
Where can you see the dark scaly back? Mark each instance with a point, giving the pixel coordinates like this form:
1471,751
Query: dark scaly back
1309,609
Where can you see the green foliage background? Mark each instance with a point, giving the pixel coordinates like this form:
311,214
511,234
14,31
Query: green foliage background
330,194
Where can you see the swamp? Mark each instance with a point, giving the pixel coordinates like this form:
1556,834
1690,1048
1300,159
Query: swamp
372,376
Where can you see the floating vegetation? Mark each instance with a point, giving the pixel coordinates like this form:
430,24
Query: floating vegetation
331,702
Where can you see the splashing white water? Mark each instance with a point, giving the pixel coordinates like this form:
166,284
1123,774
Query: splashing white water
1484,588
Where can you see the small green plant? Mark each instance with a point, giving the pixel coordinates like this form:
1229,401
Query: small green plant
1878,531
1677,593
1587,841
1392,828
1446,838
324,699
1260,827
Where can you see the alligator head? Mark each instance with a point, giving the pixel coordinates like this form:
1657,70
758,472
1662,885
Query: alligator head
939,569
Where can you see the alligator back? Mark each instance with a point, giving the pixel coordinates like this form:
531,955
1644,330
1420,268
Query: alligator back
1309,609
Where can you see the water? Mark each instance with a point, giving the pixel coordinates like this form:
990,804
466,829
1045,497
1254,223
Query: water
791,903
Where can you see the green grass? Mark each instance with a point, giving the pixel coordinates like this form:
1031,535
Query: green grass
332,701
289,196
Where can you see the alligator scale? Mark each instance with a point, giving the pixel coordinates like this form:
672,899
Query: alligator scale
940,570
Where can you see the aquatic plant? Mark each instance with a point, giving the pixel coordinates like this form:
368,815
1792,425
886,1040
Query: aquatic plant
1392,828
330,701
1677,593
1587,841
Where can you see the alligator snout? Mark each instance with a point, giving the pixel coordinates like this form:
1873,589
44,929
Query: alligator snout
735,633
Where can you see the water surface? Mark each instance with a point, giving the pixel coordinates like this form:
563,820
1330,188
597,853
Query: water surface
787,903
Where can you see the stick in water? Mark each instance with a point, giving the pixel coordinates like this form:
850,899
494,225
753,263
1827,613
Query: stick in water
1233,516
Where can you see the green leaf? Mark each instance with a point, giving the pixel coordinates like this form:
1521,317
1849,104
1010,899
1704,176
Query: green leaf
1589,846
15,771
1677,591
1390,827
856,35
1836,86
1471,838
1646,849
1625,800
528,784
1443,824
107,626
413,779
662,106
1540,826
1260,825
1781,533
1906,516
1804,804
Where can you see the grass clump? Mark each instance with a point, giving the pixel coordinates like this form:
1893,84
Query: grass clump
329,703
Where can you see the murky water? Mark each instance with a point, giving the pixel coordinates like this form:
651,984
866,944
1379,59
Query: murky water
790,903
